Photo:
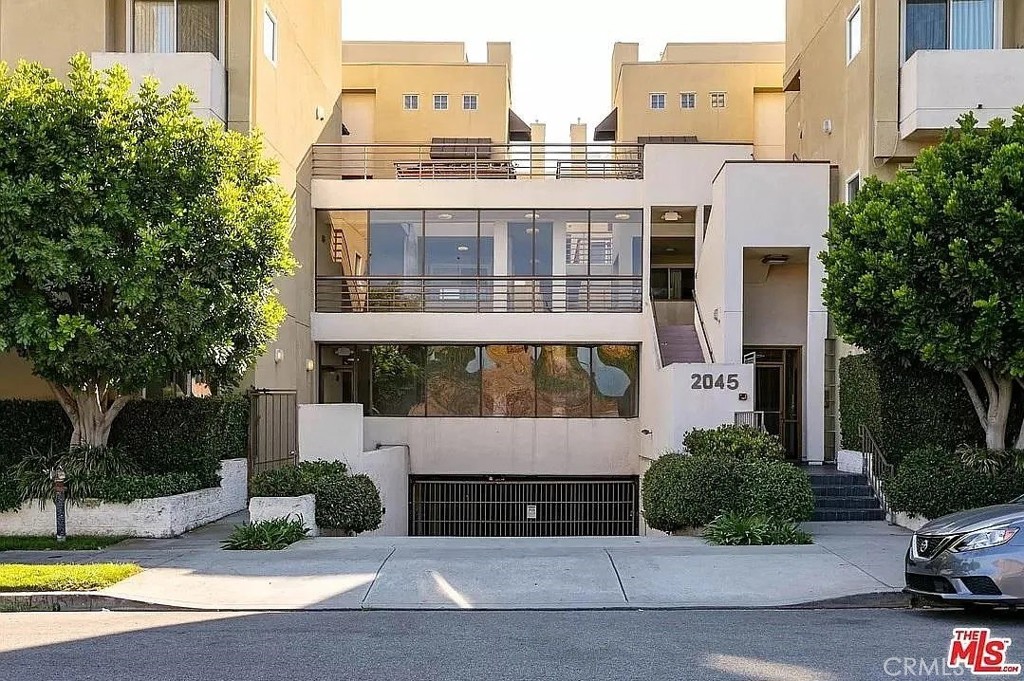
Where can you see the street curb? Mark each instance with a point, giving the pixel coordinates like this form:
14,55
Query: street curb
65,601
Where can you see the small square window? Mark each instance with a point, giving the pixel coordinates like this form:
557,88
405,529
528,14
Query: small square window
411,102
717,100
853,36
852,187
688,100
270,35
470,102
440,102
657,100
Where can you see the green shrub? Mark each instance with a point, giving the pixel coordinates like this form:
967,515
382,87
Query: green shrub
31,424
683,490
85,468
738,442
932,482
127,488
10,492
350,503
736,529
266,535
776,489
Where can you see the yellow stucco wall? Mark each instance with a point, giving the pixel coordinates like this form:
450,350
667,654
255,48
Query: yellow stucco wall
739,69
18,382
51,31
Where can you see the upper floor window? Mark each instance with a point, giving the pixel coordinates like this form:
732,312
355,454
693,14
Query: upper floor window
717,100
657,100
411,102
688,100
470,102
852,187
176,26
853,34
270,35
440,102
949,25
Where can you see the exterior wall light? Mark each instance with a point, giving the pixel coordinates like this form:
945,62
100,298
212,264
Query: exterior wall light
278,356
671,216
622,216
775,259
310,365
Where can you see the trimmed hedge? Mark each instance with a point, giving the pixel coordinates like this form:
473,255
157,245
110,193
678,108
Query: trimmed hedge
10,492
906,408
350,503
728,469
31,424
127,488
932,482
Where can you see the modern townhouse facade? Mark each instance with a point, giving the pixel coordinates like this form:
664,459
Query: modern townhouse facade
488,302
699,92
870,83
274,65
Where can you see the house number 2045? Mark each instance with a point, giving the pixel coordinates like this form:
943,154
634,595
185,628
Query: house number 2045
712,381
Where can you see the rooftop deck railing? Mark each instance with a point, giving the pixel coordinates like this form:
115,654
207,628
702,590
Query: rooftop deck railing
478,294
477,161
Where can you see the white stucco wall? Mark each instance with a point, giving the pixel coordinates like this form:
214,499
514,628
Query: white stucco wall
262,509
510,446
153,518
774,303
704,407
330,431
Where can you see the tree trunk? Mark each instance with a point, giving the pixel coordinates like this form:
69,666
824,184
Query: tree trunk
91,410
994,411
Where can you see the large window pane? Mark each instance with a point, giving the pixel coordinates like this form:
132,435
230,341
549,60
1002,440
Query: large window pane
973,24
508,381
616,247
926,25
452,254
153,25
341,243
199,26
396,254
453,380
345,375
563,381
616,371
398,380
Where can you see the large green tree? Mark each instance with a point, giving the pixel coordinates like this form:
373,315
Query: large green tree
136,239
930,266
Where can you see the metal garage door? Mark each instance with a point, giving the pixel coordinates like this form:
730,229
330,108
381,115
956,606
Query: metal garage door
514,506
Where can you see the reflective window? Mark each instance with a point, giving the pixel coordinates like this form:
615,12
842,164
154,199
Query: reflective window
342,248
616,370
926,23
396,243
452,255
453,380
563,381
508,382
398,380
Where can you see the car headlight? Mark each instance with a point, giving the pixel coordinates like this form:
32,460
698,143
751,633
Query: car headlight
985,539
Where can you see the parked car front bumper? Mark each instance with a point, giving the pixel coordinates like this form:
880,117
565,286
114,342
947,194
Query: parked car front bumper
993,576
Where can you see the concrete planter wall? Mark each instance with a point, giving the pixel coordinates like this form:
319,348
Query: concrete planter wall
904,520
270,508
152,518
850,461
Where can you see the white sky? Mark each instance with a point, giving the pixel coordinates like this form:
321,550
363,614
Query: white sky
561,49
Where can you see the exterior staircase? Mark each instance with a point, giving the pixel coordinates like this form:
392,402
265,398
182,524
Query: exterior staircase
679,344
843,496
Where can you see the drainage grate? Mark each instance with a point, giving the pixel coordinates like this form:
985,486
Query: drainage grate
512,506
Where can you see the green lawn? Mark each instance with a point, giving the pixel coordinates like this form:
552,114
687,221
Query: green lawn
50,543
16,577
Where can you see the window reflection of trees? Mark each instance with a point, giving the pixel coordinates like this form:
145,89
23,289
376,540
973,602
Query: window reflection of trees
453,380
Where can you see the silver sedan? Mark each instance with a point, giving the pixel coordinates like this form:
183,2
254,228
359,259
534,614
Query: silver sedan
971,557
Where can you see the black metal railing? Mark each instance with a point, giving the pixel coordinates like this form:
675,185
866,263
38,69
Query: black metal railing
477,161
754,419
876,467
479,294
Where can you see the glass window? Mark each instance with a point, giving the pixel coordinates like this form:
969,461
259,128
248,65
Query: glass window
453,380
199,26
616,376
411,102
441,102
530,256
153,25
508,382
341,242
270,35
852,187
396,243
717,100
688,100
470,102
398,381
973,24
176,26
853,37
452,254
345,375
926,25
657,100
563,381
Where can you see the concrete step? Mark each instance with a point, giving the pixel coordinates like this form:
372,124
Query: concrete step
822,492
679,344
849,514
833,479
840,503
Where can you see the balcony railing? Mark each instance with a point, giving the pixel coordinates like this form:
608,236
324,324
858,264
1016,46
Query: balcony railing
478,294
477,161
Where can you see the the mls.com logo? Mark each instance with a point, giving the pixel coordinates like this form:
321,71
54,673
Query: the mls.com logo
980,652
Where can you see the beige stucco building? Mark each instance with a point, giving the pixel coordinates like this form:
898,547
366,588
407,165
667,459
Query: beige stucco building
705,92
871,82
268,64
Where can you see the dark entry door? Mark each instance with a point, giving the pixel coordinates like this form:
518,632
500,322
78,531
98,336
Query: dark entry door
777,379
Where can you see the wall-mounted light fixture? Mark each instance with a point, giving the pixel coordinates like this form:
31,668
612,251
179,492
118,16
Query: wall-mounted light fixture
775,259
310,365
278,355
671,216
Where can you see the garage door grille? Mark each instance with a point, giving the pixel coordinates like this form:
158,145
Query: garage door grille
507,506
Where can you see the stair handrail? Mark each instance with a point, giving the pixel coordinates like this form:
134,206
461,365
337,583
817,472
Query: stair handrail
876,467
703,331
657,337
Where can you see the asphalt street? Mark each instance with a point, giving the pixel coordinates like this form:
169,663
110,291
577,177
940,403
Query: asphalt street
794,645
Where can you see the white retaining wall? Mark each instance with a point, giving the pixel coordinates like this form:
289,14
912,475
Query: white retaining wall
299,508
152,518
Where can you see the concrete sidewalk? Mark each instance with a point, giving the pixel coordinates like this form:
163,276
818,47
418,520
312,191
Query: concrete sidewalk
847,559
